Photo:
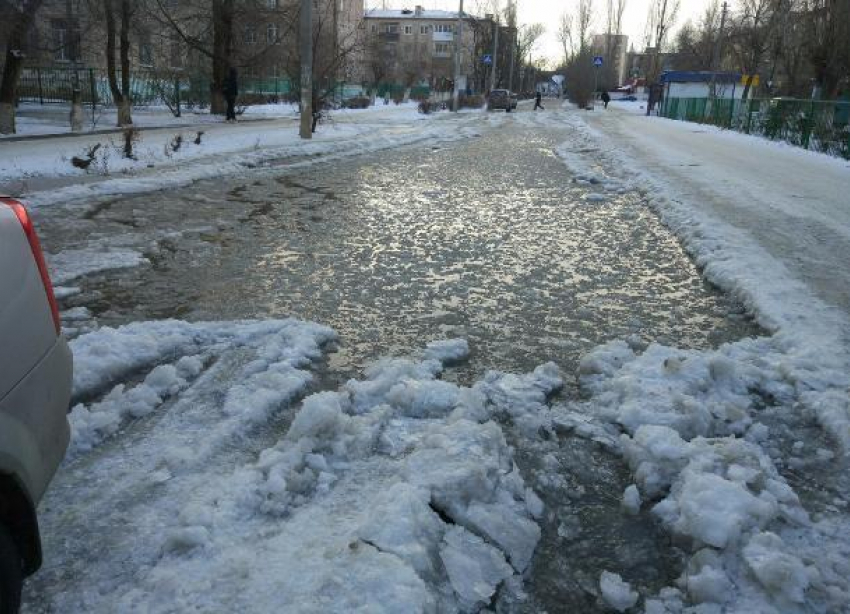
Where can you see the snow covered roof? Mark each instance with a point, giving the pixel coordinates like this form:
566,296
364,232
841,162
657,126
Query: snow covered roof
410,14
699,76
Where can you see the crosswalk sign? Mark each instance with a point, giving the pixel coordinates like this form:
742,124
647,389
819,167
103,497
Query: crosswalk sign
597,61
487,59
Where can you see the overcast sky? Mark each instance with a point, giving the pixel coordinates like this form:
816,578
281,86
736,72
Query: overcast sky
548,11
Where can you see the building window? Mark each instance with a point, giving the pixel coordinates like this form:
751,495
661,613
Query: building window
374,28
271,34
444,27
60,40
391,28
272,4
249,37
176,54
423,29
145,50
442,49
408,29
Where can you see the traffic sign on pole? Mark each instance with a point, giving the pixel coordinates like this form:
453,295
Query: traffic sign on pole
487,59
597,61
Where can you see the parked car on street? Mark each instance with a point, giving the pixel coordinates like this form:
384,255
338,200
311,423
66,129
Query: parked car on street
35,388
501,99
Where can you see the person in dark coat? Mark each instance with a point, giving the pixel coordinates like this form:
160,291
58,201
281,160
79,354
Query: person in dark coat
537,100
606,98
231,91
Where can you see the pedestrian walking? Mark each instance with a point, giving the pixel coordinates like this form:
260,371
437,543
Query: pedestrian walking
537,100
606,98
231,91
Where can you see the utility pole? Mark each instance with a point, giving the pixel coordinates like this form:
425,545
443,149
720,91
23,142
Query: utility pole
495,52
512,28
306,34
458,39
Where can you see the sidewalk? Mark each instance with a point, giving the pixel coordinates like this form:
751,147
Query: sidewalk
41,170
795,204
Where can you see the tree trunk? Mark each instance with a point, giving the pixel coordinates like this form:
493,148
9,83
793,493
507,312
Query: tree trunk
14,64
120,94
124,117
222,47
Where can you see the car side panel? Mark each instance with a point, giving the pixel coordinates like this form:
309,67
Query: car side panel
26,325
34,430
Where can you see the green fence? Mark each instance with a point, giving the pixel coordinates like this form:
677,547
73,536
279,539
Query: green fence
812,124
148,87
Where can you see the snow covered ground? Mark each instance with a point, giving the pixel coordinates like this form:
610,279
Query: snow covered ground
53,119
41,171
718,440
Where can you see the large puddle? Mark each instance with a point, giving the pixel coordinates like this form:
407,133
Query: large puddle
487,239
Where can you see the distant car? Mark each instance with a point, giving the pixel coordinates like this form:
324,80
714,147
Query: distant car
35,388
629,98
501,99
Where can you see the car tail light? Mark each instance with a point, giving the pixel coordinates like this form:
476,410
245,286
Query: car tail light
35,246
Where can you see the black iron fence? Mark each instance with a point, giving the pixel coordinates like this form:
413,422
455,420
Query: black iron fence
57,85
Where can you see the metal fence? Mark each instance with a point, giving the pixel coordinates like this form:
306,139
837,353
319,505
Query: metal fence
56,85
150,87
147,87
819,125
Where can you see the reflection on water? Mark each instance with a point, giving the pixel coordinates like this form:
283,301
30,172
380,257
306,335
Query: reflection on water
488,240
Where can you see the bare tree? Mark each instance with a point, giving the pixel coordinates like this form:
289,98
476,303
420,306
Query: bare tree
828,44
695,44
752,32
208,28
120,95
565,35
584,21
613,26
662,16
17,19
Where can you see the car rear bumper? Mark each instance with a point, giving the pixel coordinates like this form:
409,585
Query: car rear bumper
34,430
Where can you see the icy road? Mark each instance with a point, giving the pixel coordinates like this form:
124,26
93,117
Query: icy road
521,394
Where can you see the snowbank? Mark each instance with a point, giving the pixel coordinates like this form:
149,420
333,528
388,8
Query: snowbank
395,493
180,351
223,149
694,424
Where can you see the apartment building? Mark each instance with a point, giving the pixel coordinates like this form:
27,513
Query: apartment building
71,34
416,47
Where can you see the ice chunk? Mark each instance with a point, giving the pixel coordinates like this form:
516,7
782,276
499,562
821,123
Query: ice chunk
402,522
778,571
533,503
447,350
616,592
716,510
474,567
631,499
505,526
706,579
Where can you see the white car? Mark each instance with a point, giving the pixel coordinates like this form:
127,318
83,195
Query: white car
35,389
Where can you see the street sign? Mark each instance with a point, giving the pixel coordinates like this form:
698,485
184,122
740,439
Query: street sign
487,59
597,61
